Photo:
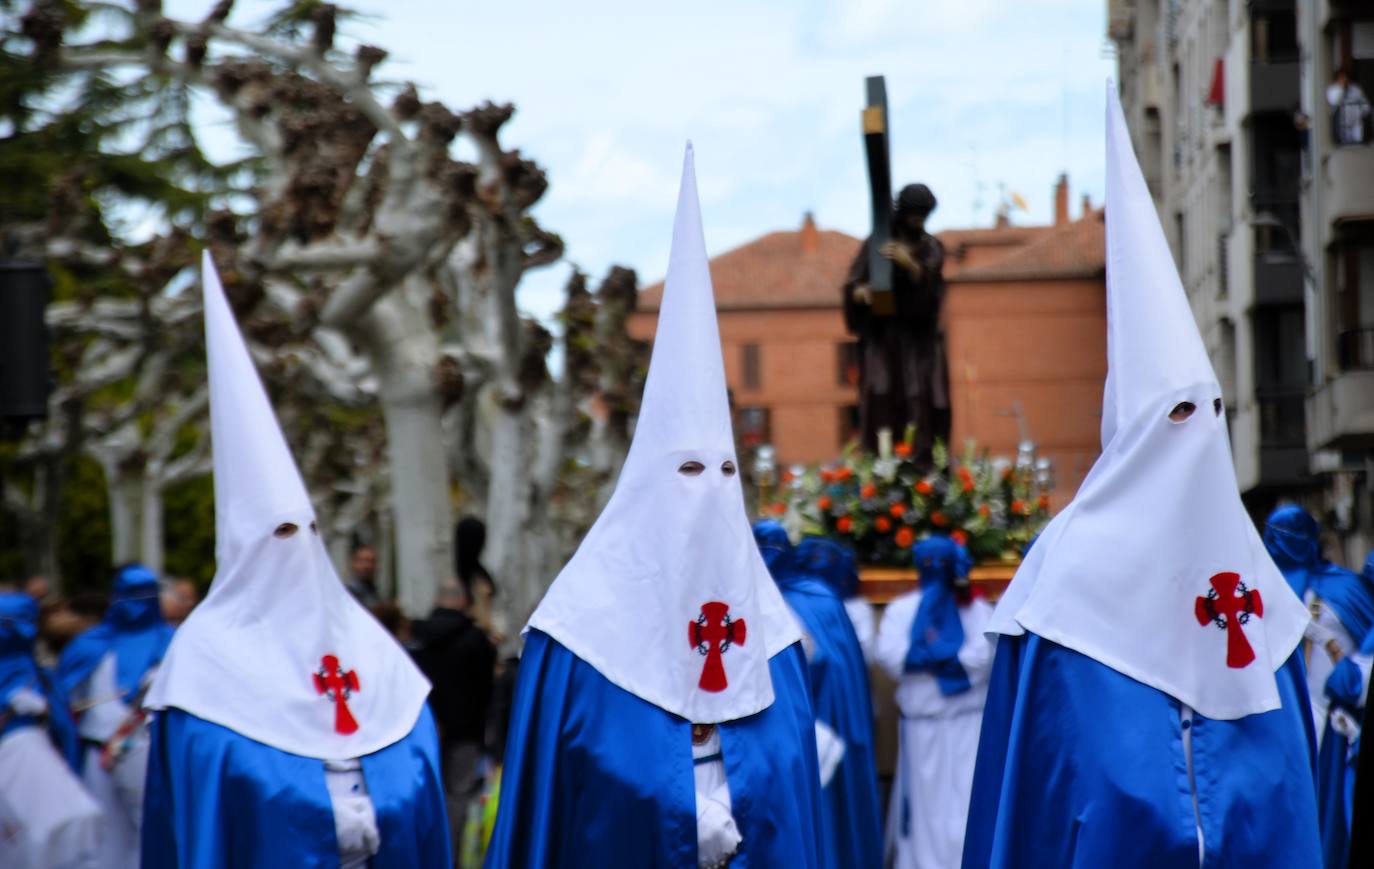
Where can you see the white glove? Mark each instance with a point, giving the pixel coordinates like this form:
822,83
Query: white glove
717,835
355,821
28,702
355,826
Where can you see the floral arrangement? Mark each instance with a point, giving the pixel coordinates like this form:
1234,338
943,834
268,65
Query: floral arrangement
883,504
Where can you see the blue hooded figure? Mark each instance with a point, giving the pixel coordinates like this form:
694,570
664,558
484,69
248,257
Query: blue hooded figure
1346,692
46,815
840,693
835,564
661,714
290,729
1146,707
1292,537
103,673
931,641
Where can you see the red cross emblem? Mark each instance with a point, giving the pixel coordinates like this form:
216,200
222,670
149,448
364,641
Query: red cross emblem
1229,605
712,634
337,686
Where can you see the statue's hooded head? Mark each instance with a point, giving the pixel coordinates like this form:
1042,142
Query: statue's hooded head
916,200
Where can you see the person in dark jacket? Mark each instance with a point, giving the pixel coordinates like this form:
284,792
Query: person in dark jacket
460,661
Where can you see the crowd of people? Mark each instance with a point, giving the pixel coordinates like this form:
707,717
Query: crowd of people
1159,686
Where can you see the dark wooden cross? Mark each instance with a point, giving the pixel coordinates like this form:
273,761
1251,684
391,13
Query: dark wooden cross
335,684
878,152
1229,605
712,634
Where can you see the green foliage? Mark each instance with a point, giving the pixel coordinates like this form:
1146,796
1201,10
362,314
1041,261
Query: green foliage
190,530
84,527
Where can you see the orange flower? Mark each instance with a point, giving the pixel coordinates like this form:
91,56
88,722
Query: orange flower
924,488
958,535
965,474
905,537
844,524
897,510
827,475
787,476
938,519
883,524
968,486
823,502
1044,502
902,450
1018,506
778,508
868,491
985,511
842,474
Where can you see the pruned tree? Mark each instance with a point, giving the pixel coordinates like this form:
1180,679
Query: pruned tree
355,247
541,454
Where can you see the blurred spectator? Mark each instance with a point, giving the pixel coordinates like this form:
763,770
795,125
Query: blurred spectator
38,587
469,539
459,659
179,596
395,621
60,620
1350,109
362,575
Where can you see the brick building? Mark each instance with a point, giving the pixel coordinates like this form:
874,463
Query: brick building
1025,325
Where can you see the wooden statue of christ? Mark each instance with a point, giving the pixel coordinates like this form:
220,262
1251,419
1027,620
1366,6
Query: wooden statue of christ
892,300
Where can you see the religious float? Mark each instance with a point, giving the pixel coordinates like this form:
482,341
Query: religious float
881,504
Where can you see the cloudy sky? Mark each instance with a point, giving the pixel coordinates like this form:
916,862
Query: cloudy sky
984,96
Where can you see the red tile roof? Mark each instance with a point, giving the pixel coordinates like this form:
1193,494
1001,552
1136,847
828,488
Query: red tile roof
806,268
801,269
959,243
1073,250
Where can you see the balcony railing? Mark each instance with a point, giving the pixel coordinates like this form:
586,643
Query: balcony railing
1355,349
1282,416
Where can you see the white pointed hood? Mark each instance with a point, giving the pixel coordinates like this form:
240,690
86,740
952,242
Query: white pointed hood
668,596
1155,569
279,651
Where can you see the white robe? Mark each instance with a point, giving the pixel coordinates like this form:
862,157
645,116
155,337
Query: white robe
1326,625
119,791
938,740
47,820
861,616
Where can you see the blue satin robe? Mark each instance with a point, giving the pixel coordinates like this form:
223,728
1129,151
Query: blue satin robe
1080,766
216,800
840,698
1351,596
595,776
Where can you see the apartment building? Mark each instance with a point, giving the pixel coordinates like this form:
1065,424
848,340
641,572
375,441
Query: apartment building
1267,197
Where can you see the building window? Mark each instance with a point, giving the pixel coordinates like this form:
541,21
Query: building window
1223,264
1275,34
848,428
1352,50
749,364
1180,234
847,363
1280,373
755,426
1355,300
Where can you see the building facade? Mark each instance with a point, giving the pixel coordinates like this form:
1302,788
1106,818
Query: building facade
1260,192
1013,292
